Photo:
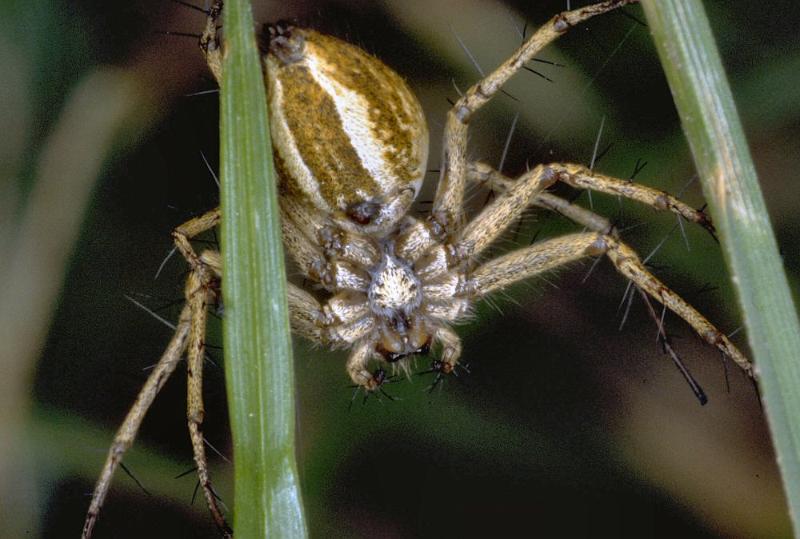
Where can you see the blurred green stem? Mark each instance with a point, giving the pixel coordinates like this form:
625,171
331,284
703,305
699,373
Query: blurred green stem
705,104
258,347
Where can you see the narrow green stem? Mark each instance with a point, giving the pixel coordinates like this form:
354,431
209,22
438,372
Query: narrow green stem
711,123
258,347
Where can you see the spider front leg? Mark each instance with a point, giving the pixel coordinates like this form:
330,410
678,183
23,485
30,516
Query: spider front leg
324,252
548,255
210,43
448,202
581,177
451,353
126,434
357,363
189,334
201,288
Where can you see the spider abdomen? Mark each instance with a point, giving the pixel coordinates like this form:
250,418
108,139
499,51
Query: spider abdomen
349,136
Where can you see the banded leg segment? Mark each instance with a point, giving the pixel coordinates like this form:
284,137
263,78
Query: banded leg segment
551,254
126,434
200,289
484,174
581,177
450,191
210,43
490,223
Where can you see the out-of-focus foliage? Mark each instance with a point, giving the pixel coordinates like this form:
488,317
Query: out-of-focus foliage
715,134
565,426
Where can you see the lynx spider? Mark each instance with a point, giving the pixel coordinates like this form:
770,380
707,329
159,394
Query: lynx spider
395,283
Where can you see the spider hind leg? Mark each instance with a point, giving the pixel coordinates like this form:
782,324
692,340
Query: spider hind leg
554,253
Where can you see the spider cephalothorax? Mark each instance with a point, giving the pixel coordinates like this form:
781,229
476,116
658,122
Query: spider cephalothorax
350,146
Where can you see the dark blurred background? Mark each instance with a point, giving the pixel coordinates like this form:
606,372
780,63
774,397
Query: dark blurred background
567,425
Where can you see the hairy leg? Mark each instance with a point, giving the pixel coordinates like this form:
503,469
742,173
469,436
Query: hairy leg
581,177
448,202
184,333
332,260
357,366
126,434
210,43
200,285
550,254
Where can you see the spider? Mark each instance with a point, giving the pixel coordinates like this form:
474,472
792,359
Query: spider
350,147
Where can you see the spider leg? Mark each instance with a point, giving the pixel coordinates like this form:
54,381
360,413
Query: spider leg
334,259
482,173
205,273
164,368
581,177
191,228
305,314
547,255
357,365
199,291
126,434
416,237
451,349
448,202
486,227
210,43
344,319
503,211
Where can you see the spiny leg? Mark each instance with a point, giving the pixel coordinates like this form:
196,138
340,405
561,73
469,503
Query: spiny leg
448,202
206,269
451,353
126,434
581,177
210,43
191,228
628,263
486,227
503,211
550,254
335,256
484,174
198,293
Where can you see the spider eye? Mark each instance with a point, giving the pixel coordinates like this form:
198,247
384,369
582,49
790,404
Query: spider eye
363,213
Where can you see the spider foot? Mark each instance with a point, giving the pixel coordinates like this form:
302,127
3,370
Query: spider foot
440,369
705,221
374,386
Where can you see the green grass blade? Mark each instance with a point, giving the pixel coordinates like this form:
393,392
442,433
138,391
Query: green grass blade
705,104
258,347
